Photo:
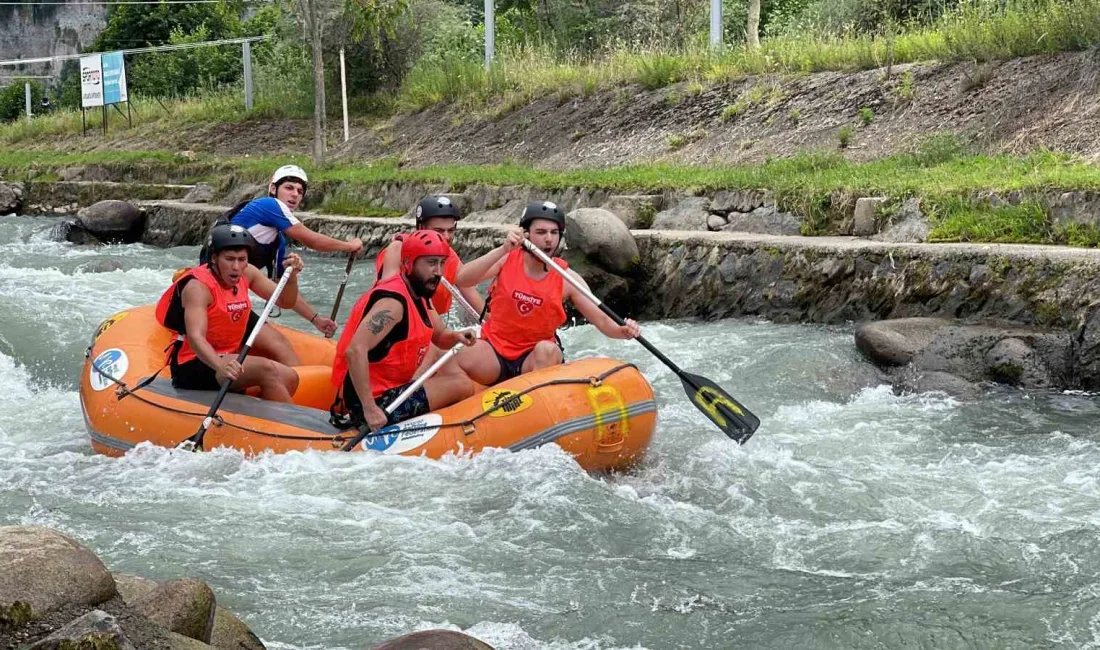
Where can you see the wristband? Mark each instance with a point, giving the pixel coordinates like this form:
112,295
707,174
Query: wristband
315,315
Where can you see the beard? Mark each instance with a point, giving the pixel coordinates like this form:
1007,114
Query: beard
424,288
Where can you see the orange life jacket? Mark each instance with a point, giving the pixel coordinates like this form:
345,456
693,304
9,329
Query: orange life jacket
402,359
226,317
523,311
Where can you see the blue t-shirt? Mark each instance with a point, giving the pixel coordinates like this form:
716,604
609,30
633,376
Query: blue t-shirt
267,218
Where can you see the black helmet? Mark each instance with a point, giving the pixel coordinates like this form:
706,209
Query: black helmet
436,206
225,236
542,210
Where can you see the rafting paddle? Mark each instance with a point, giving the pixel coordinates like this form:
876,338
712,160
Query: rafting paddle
365,430
194,443
461,299
726,413
340,291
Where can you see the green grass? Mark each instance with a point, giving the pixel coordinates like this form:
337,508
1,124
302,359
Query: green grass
811,185
223,105
978,32
936,168
959,220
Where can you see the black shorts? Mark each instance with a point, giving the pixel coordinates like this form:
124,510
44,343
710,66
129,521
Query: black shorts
512,368
416,405
196,375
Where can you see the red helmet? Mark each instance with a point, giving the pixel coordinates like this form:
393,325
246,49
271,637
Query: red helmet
422,243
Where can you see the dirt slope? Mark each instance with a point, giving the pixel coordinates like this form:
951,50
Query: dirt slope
1014,106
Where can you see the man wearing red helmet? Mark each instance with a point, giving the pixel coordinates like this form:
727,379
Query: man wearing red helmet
526,302
387,336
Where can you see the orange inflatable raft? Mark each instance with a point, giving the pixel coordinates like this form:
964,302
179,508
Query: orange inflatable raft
599,410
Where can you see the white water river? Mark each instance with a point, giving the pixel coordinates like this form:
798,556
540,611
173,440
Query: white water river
854,519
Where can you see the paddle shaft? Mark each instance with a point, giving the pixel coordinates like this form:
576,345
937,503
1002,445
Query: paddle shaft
340,291
405,394
195,441
460,299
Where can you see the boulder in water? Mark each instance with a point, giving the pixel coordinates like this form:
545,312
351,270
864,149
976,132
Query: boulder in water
113,221
603,237
936,382
11,198
42,570
433,640
100,266
918,351
896,342
72,232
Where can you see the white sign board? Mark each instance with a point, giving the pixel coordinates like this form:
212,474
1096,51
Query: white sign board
91,81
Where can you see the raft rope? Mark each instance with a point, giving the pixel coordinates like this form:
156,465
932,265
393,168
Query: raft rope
123,391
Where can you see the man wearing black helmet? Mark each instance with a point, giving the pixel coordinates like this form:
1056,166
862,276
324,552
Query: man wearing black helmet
439,214
526,302
212,317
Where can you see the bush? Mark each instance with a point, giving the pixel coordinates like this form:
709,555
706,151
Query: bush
13,99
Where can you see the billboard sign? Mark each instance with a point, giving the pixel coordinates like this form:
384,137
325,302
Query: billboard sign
91,81
114,78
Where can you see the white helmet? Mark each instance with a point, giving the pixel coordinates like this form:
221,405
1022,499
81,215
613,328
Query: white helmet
289,171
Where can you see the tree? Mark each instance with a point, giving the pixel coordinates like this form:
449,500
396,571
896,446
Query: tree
359,19
752,27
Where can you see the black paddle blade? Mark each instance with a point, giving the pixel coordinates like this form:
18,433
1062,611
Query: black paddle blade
726,413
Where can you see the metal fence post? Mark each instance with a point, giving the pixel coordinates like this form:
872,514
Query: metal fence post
27,88
490,33
246,54
344,93
715,23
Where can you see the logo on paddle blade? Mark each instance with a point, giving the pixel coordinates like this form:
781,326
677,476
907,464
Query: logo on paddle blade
710,399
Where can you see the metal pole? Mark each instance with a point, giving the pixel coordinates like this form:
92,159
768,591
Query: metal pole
344,93
27,88
246,55
490,33
715,23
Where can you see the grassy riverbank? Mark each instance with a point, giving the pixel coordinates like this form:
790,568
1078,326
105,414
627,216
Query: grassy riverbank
954,186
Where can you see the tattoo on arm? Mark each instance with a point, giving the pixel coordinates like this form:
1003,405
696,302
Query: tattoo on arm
379,320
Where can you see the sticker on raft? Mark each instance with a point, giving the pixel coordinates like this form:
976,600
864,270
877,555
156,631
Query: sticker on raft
404,436
113,362
500,403
106,325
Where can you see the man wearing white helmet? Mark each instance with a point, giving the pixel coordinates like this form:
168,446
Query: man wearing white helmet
271,219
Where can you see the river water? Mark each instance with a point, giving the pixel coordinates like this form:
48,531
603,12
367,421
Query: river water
854,519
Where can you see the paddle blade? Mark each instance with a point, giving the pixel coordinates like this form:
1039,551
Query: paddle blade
726,413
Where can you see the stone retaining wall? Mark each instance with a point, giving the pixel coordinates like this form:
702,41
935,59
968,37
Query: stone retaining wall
840,279
67,197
